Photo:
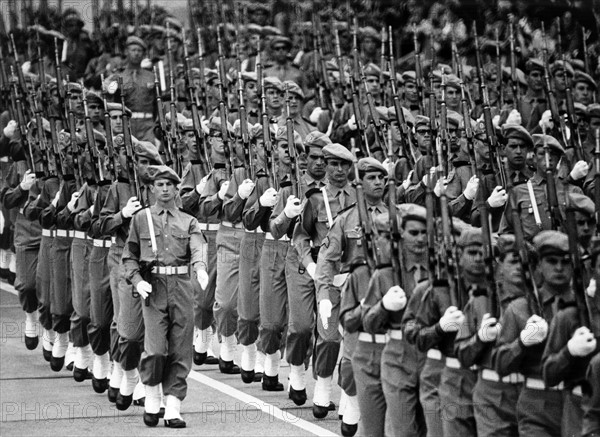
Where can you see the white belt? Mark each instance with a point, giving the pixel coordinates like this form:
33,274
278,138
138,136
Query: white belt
538,384
102,243
395,334
4,159
80,234
491,375
232,225
47,233
209,226
255,231
171,270
434,354
453,363
21,210
141,115
577,391
269,236
64,233
372,338
113,240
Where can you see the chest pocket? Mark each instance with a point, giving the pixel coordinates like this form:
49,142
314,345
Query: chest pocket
182,240
353,252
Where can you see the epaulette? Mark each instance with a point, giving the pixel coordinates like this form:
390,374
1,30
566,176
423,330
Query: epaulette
104,182
311,192
123,180
458,164
195,162
341,211
308,121
219,165
285,184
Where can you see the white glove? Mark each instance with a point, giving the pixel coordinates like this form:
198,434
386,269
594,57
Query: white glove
144,289
582,343
546,121
146,64
311,269
580,170
489,329
352,123
73,201
245,189
201,185
315,114
293,207
408,181
223,190
514,117
205,125
55,200
591,289
498,197
268,198
2,222
325,307
471,189
394,299
442,183
431,176
535,331
133,206
28,181
496,121
202,278
10,129
452,319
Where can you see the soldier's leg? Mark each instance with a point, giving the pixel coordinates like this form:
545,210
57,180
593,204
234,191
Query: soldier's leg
26,260
366,364
43,280
61,305
203,306
429,381
116,376
572,414
591,400
456,388
539,412
80,254
495,408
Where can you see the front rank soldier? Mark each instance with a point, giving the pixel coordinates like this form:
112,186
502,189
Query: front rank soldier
167,291
316,219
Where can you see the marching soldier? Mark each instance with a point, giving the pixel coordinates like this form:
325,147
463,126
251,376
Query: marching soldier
301,124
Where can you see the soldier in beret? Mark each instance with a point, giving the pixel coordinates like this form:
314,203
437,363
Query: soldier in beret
78,47
584,88
533,103
274,96
296,103
282,67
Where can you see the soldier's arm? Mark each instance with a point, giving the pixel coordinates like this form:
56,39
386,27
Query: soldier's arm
82,215
429,333
302,234
374,315
350,309
329,259
64,216
47,215
509,352
210,203
280,223
131,252
13,196
95,228
410,327
468,347
233,204
111,218
190,198
254,214
198,246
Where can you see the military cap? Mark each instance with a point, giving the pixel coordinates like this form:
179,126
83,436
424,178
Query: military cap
211,75
372,70
255,131
408,116
369,164
336,150
237,128
593,110
316,139
470,236
173,22
281,40
99,137
387,75
421,120
195,73
580,110
249,76
270,31
452,81
412,211
253,29
32,78
72,15
383,114
409,76
145,149
436,75
458,226
74,87
561,65
64,139
93,97
174,34
580,76
505,244
332,65
293,88
134,40
214,125
187,125
454,118
577,64
111,106
273,82
551,243
507,74
553,144
369,32
258,7
582,203
517,131
281,136
178,115
534,64
156,172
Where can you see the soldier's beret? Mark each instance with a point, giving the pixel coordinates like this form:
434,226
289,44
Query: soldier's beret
187,125
281,136
145,149
409,76
74,87
387,75
293,88
270,31
582,203
253,29
561,65
237,128
93,97
517,131
534,64
173,22
458,226
337,151
195,73
280,40
421,120
593,110
580,110
412,211
180,117
452,81
134,40
580,76
506,243
214,126
507,74
553,144
316,139
332,65
577,64
369,32
32,78
408,116
64,139
551,243
72,15
383,113
156,172
258,7
470,236
255,131
454,118
436,75
273,82
249,76
372,70
369,164
111,106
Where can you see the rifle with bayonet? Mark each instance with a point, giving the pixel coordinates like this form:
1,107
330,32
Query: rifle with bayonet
499,81
340,61
21,121
171,155
113,159
222,108
248,161
294,165
268,144
72,126
374,120
59,82
419,72
162,122
516,88
551,193
92,153
128,143
201,65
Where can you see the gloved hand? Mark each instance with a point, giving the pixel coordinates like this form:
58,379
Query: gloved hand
431,176
408,181
245,189
2,221
268,198
591,288
55,200
202,277
325,307
489,329
223,190
144,289
439,185
315,114
496,121
471,189
452,319
10,129
201,185
514,117
498,197
311,269
546,122
394,299
146,64
352,123
133,206
582,343
28,181
205,125
293,207
73,201
535,331
580,170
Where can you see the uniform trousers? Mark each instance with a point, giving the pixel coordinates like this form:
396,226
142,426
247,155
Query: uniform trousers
101,304
429,381
80,319
539,412
27,260
61,303
44,283
327,344
572,415
495,408
248,305
366,364
205,299
456,397
113,263
591,401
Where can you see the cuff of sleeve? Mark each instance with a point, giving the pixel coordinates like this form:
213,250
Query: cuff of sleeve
137,278
200,265
438,329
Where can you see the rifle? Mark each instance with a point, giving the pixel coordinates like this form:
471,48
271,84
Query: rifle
516,88
394,229
418,71
382,66
44,150
73,138
248,161
597,180
171,156
551,188
59,81
340,61
323,84
429,161
5,86
92,149
586,59
22,83
499,81
162,122
222,108
21,122
259,75
374,119
128,142
268,144
444,139
289,125
203,94
113,160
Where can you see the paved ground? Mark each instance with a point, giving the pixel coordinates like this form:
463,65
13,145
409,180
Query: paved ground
34,400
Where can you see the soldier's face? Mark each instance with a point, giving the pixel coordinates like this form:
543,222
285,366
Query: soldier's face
482,150
586,225
516,152
560,80
315,164
437,90
535,80
282,152
452,98
540,159
511,269
471,260
556,270
135,54
423,137
280,53
373,185
142,168
414,237
94,112
251,92
369,45
337,171
273,98
582,93
116,122
295,105
410,92
593,126
373,85
164,190
189,139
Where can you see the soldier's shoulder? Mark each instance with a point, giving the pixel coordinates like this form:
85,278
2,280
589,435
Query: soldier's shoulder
348,210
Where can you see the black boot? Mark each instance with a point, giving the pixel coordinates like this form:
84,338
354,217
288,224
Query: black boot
271,383
228,367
